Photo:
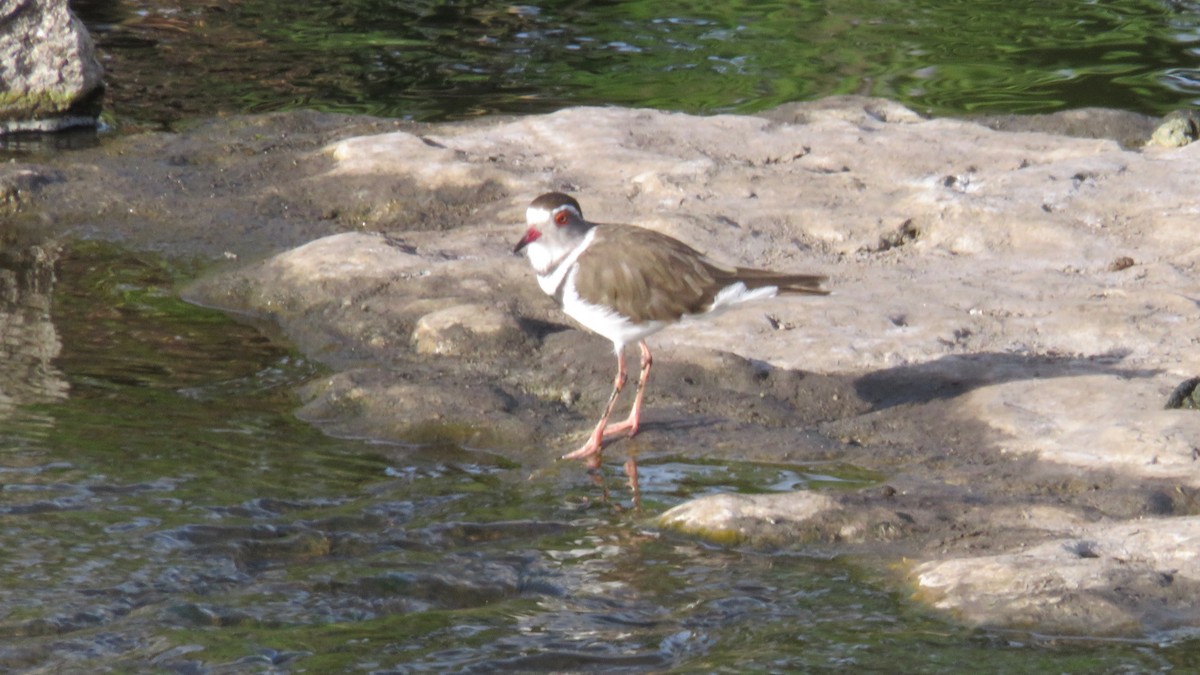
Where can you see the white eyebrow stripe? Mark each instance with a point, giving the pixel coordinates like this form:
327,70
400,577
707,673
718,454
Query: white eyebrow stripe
536,214
570,208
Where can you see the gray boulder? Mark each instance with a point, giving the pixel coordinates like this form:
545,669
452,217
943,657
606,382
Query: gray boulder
50,78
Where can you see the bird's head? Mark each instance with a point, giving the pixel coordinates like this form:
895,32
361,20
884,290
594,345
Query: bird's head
555,226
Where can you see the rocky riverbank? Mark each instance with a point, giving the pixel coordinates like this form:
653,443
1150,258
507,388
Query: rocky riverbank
1012,310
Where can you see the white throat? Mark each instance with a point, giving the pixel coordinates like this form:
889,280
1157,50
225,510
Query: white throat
551,273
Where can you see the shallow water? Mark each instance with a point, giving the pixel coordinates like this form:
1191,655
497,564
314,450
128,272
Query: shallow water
170,60
169,514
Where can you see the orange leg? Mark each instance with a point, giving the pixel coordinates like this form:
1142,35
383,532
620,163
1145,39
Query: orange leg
630,425
592,449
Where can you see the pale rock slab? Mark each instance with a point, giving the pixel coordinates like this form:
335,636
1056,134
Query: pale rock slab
1095,421
982,260
733,518
470,328
1101,580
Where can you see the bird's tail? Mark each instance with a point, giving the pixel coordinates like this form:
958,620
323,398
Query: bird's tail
798,284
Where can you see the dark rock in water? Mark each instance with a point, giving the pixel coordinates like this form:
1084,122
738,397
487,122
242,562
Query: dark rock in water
1130,129
1186,395
50,78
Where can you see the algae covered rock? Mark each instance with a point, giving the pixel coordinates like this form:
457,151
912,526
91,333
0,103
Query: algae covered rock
50,78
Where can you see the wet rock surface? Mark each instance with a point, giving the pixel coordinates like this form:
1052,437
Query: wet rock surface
981,354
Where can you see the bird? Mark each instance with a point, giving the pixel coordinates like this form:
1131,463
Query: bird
625,283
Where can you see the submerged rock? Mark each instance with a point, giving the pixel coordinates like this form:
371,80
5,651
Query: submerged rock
19,183
732,518
29,340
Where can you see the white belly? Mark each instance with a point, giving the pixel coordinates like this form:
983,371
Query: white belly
604,321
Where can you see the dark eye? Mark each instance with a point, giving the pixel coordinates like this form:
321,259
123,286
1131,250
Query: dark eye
560,218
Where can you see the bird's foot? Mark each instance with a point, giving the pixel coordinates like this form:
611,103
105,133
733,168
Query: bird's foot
590,452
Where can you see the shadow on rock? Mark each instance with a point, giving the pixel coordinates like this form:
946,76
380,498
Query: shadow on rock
957,374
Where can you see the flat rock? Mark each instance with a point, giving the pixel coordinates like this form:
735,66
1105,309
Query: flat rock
1104,579
375,404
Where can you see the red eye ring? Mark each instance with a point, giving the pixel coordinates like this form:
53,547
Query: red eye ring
561,218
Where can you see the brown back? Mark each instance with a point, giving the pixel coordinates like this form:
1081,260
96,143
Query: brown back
647,276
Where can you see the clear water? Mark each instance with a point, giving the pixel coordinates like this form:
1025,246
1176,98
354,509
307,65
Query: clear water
172,60
170,515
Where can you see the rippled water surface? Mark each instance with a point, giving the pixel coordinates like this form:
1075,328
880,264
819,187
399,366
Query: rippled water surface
169,60
170,515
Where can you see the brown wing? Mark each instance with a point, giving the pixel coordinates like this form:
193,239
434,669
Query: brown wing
645,275
648,276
